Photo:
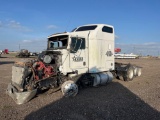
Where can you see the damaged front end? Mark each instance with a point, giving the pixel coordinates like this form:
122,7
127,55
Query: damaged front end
18,96
30,76
17,89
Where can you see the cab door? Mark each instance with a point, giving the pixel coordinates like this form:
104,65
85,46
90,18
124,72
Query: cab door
78,55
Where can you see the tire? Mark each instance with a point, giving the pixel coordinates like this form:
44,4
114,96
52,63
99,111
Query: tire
139,72
69,89
129,74
135,69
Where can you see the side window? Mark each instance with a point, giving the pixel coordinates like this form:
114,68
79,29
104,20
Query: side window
77,43
86,28
107,29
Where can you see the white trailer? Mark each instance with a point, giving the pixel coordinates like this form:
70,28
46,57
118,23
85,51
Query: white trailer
83,57
126,56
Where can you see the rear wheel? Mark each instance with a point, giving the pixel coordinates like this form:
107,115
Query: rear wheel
129,74
135,69
139,72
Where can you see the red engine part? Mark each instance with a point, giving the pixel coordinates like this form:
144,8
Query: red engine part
47,71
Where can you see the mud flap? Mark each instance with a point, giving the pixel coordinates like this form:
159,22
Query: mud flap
20,97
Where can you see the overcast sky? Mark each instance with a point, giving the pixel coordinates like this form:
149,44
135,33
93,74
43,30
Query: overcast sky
27,23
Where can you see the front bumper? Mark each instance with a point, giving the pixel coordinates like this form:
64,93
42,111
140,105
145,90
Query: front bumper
20,97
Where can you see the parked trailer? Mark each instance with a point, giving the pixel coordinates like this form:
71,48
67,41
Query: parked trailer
81,58
126,56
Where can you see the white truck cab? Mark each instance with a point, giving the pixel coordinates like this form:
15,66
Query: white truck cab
87,49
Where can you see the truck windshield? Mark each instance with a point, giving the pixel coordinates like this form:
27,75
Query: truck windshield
58,42
55,44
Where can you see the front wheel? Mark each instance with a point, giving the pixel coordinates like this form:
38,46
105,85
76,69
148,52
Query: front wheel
69,88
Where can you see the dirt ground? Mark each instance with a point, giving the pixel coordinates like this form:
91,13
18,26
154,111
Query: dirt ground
134,100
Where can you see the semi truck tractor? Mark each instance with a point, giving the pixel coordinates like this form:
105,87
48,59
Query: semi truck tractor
81,58
23,53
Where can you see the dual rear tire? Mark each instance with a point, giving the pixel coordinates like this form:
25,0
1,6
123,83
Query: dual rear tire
131,72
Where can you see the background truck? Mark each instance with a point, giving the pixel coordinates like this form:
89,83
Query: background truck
5,51
81,58
23,53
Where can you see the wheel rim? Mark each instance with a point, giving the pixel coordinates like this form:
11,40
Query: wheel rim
69,88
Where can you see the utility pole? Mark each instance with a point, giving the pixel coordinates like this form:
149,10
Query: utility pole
19,46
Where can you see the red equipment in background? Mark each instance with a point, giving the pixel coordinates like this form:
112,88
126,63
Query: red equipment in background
5,51
117,50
